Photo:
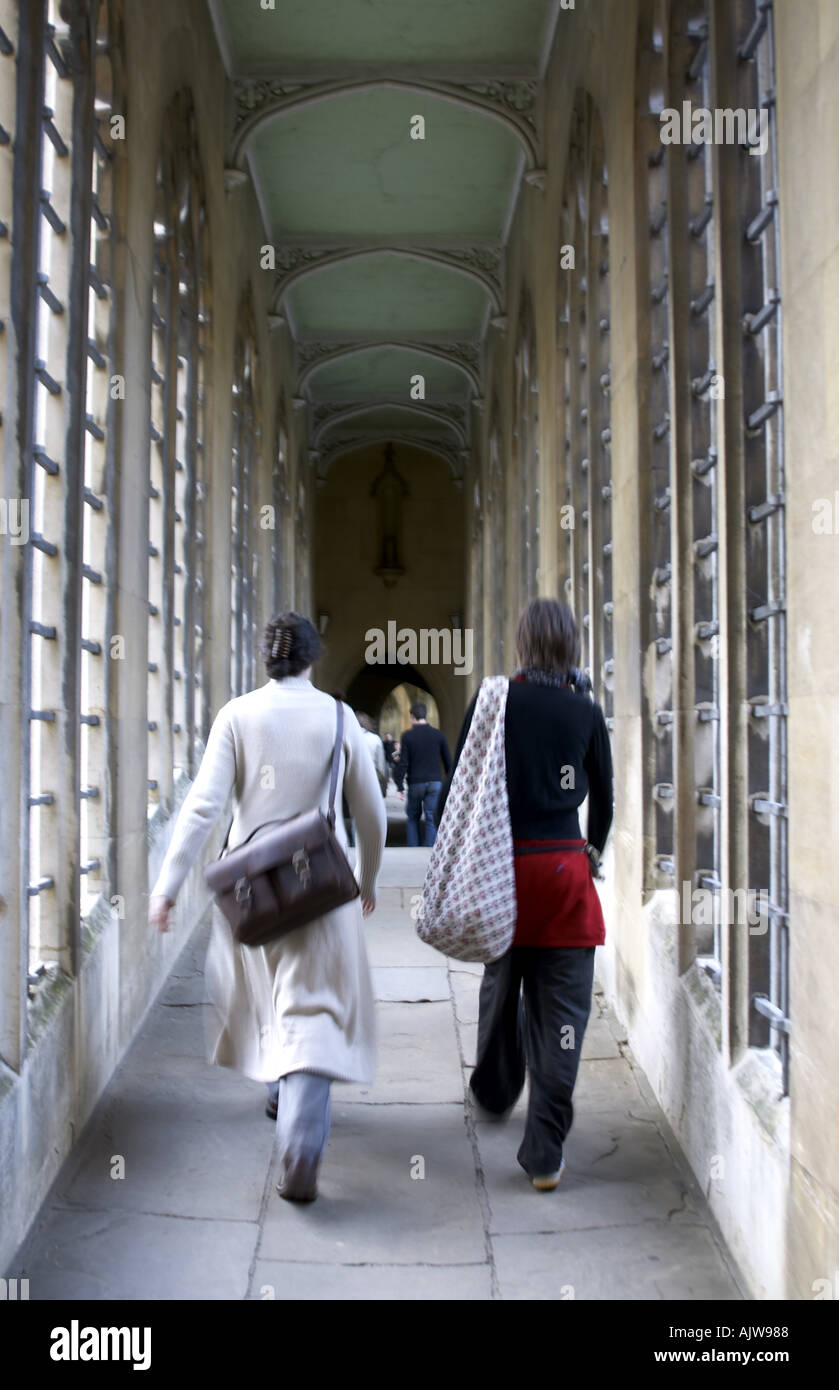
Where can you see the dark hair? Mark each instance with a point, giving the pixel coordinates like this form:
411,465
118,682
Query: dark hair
365,721
547,636
418,710
289,644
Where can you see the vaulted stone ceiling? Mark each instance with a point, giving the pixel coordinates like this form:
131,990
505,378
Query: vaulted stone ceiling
389,249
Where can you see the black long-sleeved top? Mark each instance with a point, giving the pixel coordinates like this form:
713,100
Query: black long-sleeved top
422,749
557,753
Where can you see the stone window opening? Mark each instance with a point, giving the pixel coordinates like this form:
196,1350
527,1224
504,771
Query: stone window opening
584,357
177,709
245,469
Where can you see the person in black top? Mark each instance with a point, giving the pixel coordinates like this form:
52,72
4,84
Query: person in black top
422,750
557,753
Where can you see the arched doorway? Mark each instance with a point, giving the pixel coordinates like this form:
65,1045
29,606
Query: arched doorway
395,716
370,688
386,693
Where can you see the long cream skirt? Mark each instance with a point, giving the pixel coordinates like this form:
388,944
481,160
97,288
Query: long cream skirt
304,1003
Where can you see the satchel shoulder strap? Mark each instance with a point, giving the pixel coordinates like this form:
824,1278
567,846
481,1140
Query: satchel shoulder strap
336,757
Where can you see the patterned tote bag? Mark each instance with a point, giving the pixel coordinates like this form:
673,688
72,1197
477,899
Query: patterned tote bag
468,905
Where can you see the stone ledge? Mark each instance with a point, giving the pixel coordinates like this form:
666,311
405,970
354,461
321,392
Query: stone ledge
704,1000
758,1076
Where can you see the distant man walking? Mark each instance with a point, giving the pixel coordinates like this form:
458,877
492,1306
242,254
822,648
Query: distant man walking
423,750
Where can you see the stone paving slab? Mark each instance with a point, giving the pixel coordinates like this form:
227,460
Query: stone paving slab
193,1146
465,989
414,1283
404,868
465,967
416,985
392,942
608,1084
125,1255
657,1261
618,1172
391,900
599,1042
370,1210
187,986
418,1057
170,1031
468,1045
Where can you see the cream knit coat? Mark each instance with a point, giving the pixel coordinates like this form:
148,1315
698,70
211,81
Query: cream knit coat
304,1003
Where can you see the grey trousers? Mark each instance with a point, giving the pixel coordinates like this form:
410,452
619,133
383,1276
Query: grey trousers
303,1115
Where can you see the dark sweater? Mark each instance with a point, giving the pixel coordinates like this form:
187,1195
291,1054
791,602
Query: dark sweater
557,753
423,748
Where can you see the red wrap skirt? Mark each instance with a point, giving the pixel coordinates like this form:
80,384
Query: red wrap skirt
557,902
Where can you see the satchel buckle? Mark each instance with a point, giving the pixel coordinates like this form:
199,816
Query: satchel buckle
243,891
300,864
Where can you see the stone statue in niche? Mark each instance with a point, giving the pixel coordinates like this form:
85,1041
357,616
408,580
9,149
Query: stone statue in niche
389,489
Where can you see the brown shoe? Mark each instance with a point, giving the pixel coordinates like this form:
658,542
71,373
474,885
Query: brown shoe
299,1182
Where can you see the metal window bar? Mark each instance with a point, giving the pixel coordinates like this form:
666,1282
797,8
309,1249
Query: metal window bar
185,486
188,538
201,710
93,827
567,543
576,233
237,557
244,565
249,573
45,653
704,425
157,493
600,431
763,429
181,499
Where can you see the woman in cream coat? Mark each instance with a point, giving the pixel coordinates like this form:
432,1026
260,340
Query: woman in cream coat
297,1013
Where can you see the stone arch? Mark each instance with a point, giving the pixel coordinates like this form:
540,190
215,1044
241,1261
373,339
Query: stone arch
469,97
371,685
415,349
476,267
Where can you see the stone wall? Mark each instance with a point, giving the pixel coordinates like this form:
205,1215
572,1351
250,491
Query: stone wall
84,1025
808,104
767,1162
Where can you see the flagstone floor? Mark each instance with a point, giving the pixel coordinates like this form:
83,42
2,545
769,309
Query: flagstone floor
418,1198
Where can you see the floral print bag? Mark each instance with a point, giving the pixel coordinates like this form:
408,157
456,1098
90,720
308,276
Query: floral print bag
468,904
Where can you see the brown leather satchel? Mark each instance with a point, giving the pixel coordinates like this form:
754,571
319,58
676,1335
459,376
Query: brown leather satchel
279,879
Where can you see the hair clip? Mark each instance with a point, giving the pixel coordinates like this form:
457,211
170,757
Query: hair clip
282,644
